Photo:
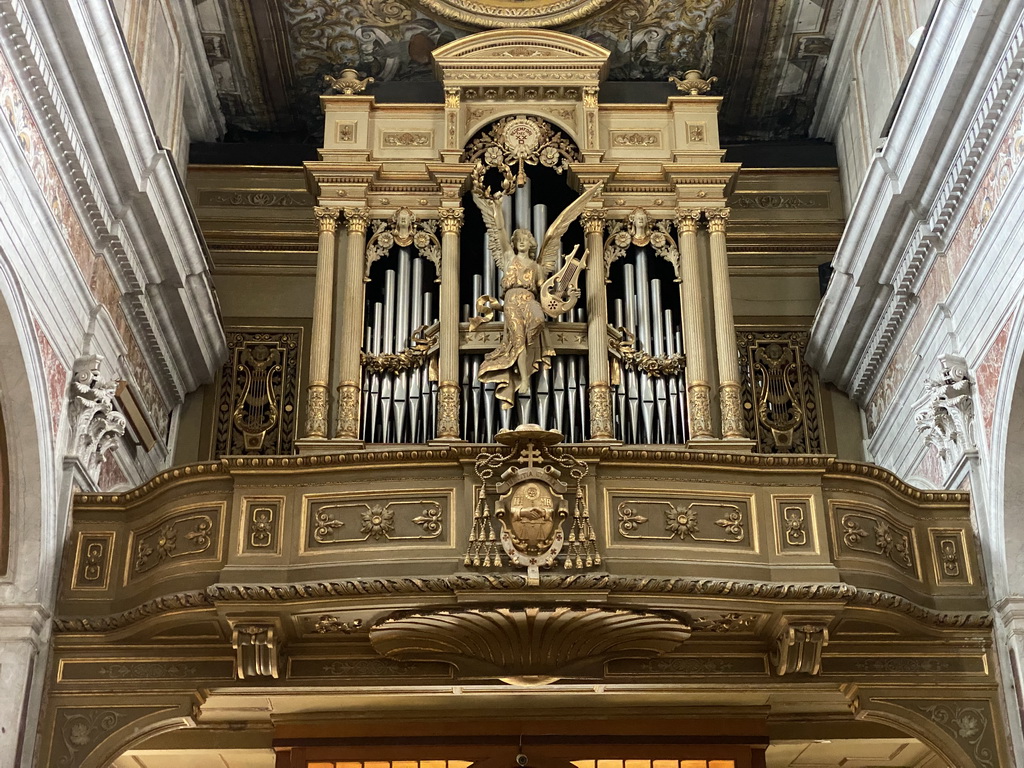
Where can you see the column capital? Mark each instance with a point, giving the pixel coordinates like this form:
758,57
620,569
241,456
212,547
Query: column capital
687,219
326,217
592,220
452,97
590,96
357,220
717,217
451,219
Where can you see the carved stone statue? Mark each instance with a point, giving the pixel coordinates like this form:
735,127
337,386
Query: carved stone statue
530,296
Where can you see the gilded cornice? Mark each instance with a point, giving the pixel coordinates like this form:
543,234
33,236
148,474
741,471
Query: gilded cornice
527,13
677,457
839,594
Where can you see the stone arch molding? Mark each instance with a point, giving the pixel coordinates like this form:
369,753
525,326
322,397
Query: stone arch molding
29,427
965,732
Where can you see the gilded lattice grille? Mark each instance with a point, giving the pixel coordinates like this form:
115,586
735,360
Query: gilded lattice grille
780,397
258,388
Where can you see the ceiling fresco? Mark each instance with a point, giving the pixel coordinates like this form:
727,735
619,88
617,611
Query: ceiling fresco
269,57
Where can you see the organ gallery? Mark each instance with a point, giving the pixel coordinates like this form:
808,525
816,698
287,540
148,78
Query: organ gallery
539,475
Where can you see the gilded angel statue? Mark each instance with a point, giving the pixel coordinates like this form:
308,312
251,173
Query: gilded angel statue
531,294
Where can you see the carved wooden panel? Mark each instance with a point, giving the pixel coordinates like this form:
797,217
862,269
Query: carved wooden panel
257,392
387,519
186,535
261,524
681,519
93,561
794,525
949,554
779,392
876,535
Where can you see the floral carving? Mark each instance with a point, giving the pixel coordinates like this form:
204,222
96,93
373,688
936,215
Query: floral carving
681,524
629,520
378,521
969,725
889,540
165,541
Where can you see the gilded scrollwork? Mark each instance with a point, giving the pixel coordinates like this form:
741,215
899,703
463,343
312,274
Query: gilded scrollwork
638,230
511,144
384,521
403,229
885,539
684,522
183,536
421,350
779,392
258,393
623,347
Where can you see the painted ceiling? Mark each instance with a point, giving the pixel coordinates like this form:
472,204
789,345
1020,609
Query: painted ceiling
269,57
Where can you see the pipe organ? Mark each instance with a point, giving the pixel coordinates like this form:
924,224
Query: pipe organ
523,254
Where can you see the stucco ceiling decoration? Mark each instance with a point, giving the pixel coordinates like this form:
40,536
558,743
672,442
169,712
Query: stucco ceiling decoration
499,14
270,56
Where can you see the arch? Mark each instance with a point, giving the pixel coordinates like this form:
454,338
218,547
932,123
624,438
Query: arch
29,426
1006,459
925,722
34,546
129,732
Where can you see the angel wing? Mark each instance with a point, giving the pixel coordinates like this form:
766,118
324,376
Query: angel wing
497,233
548,257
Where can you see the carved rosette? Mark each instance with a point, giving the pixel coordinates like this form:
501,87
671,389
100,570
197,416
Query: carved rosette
600,411
316,411
348,410
448,397
732,412
699,397
528,645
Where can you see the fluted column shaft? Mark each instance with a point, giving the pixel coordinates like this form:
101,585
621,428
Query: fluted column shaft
725,329
320,341
695,341
599,390
448,390
351,324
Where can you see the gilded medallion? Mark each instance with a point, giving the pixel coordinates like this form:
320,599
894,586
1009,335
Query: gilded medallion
514,13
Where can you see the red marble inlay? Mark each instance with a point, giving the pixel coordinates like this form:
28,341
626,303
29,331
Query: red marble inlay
56,378
986,377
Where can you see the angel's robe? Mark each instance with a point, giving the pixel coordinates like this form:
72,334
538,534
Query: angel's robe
524,348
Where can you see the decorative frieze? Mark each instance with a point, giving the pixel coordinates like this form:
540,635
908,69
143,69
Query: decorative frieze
877,535
403,229
186,535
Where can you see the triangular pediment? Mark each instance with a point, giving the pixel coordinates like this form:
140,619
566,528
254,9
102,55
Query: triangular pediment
521,55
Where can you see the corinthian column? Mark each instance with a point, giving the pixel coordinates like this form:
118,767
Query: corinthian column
320,342
725,330
351,324
448,391
698,390
597,329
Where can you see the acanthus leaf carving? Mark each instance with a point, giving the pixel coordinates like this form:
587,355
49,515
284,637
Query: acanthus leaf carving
97,425
945,414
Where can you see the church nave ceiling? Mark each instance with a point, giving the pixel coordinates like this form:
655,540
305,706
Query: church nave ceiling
269,57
